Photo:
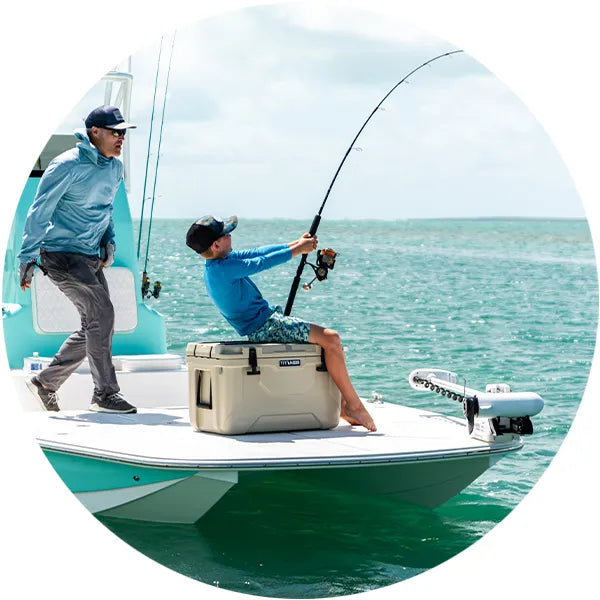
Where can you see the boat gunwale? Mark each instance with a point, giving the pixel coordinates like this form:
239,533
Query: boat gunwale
386,459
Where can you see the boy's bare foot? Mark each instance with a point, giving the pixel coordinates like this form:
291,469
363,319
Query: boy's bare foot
357,415
346,417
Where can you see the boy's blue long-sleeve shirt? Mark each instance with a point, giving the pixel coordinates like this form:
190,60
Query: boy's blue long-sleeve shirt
72,210
236,296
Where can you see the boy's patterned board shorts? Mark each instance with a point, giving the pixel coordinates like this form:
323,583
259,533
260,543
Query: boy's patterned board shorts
281,328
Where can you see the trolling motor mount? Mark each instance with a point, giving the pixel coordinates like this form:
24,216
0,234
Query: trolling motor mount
490,414
325,263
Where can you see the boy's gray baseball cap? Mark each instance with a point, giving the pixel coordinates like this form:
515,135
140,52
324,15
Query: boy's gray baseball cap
206,230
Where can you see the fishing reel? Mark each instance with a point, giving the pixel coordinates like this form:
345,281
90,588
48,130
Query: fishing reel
146,293
325,263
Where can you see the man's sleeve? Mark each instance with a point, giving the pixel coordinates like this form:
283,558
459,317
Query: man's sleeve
236,266
109,234
53,185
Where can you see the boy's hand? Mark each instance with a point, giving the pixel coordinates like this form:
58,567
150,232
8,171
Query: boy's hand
304,245
308,243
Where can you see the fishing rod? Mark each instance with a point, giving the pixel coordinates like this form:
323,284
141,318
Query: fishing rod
148,152
317,218
145,280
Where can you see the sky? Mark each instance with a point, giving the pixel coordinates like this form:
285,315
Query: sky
263,102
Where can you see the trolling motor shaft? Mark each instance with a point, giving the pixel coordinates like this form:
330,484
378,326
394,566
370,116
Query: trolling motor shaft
325,263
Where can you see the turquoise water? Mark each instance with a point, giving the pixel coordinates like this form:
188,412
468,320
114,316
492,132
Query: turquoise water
492,300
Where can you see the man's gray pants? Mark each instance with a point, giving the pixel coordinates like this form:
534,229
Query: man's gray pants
81,279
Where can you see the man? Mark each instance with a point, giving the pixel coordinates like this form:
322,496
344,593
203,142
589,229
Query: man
227,277
69,227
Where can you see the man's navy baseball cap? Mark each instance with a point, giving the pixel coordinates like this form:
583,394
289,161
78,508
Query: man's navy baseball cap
207,230
107,117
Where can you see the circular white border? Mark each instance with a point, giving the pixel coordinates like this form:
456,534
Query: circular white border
545,53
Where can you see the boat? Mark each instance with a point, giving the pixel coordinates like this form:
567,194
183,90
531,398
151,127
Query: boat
154,466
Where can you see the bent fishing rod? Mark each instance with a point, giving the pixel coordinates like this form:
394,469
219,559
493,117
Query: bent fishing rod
317,218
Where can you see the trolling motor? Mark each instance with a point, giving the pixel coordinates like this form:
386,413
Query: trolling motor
146,293
325,263
490,414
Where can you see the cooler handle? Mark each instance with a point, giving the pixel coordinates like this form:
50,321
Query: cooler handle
199,402
322,366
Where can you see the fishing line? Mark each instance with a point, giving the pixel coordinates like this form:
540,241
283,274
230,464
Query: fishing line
317,218
145,280
148,152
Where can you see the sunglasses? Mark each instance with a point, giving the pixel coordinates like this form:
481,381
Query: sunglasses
118,133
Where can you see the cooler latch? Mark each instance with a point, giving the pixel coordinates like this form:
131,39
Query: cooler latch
253,362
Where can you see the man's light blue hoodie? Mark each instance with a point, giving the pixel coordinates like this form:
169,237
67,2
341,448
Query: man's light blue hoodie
72,210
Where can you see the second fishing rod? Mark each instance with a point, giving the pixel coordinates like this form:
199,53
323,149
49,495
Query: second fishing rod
326,258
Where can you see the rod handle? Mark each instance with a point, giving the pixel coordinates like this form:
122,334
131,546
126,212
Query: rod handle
315,225
292,295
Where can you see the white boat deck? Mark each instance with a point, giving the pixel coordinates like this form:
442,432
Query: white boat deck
415,455
163,437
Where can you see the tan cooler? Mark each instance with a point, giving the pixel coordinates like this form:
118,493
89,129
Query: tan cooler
239,387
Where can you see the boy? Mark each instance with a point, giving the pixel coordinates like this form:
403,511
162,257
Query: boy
227,277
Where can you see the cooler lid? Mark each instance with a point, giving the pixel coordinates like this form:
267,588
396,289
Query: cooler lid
241,350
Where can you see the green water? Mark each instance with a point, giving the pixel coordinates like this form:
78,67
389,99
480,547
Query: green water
492,300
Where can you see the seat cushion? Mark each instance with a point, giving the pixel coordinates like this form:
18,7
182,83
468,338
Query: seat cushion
54,313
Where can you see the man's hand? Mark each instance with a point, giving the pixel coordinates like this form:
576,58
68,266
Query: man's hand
26,274
107,255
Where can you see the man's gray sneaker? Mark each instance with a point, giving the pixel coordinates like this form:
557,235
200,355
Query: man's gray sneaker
47,398
113,403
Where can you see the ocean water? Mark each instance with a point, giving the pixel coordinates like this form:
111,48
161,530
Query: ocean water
511,301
